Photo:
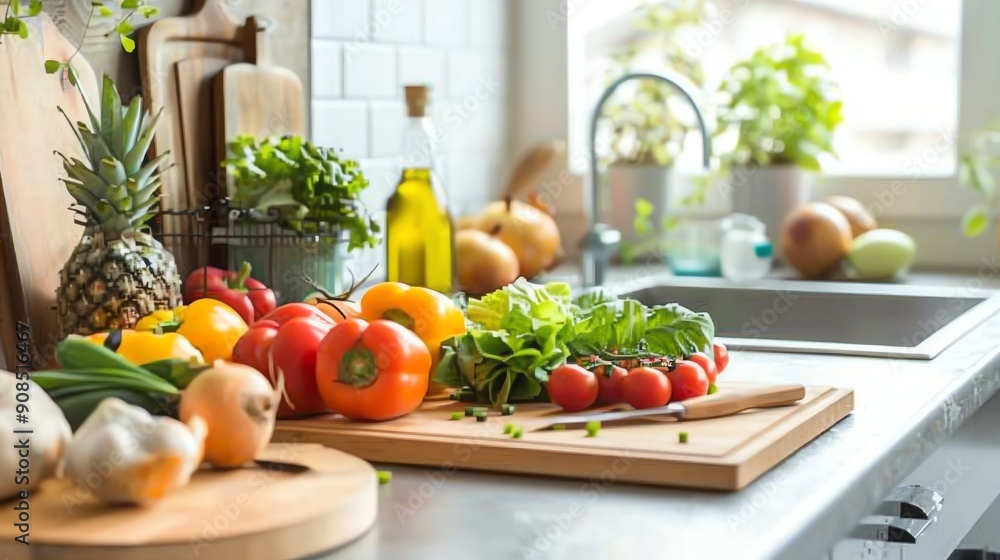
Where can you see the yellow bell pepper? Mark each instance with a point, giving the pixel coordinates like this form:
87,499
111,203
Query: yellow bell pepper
431,315
212,326
143,348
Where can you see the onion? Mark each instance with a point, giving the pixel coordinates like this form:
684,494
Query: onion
484,262
815,238
238,405
530,232
857,215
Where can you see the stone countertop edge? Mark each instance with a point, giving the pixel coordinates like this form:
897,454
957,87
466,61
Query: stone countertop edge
860,489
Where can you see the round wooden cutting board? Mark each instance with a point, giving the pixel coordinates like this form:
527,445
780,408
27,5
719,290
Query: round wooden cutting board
297,501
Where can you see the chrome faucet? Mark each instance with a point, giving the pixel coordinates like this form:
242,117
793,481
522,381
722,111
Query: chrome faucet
602,238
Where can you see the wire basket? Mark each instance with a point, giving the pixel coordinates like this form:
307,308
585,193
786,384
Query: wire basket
223,236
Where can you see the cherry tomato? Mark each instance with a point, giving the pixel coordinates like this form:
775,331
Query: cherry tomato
572,387
645,387
721,356
706,364
609,384
688,380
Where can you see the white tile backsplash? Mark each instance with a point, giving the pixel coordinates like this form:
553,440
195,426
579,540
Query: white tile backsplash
341,124
370,72
340,19
388,118
328,70
365,51
398,21
421,66
446,22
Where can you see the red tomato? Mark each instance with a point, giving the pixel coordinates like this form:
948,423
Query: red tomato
645,387
290,311
291,349
721,356
572,387
706,364
688,380
609,384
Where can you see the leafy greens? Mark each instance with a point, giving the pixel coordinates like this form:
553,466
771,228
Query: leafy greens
523,331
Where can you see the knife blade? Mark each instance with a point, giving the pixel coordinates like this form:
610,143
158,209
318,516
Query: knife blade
728,401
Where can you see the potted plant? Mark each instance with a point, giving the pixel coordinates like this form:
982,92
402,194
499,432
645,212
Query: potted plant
779,106
974,171
307,200
647,121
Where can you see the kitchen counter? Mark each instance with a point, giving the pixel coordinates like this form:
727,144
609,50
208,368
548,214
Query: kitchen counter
904,410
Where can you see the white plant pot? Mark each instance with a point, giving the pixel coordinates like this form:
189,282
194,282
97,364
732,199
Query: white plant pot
770,194
628,183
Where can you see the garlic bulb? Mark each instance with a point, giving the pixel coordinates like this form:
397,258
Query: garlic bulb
125,455
44,445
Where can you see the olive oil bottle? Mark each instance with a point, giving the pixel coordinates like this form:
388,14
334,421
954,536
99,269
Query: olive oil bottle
419,241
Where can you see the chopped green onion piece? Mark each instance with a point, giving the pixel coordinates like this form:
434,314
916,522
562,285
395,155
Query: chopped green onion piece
457,415
507,409
481,415
558,427
712,389
384,477
682,437
593,427
508,428
516,433
470,410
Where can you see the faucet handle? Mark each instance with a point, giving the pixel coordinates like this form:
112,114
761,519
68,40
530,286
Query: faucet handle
598,244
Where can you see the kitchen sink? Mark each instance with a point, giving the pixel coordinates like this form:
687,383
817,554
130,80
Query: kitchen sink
883,320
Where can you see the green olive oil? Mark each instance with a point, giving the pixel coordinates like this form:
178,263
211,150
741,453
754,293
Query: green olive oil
419,239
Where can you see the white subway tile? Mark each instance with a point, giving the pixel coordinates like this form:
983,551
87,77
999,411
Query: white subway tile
398,21
388,118
474,179
424,67
477,73
327,69
370,71
488,23
446,22
341,124
340,19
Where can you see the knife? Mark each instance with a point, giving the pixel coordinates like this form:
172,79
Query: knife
729,400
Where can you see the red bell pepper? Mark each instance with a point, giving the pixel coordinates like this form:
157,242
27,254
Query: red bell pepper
247,296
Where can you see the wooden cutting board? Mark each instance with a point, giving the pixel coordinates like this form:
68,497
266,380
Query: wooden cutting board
721,454
257,98
37,230
300,500
178,58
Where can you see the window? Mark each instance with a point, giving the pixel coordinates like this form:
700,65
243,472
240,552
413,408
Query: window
896,63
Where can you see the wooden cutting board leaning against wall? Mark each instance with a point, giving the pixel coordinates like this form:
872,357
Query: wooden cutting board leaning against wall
38,230
178,58
720,453
256,97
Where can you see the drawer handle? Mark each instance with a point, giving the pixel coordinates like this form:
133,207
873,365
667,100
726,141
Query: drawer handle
911,501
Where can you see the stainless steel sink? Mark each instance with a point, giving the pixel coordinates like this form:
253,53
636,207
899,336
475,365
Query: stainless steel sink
884,320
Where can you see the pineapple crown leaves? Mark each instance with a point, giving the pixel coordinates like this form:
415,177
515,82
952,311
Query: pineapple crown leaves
113,186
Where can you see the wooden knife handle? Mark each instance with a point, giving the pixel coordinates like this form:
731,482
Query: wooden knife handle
731,400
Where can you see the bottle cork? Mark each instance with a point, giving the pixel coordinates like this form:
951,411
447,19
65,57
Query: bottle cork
417,98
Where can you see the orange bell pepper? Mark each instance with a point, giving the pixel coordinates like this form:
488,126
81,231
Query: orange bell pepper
431,315
372,371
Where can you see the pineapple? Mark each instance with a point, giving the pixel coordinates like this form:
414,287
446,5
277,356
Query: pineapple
118,273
